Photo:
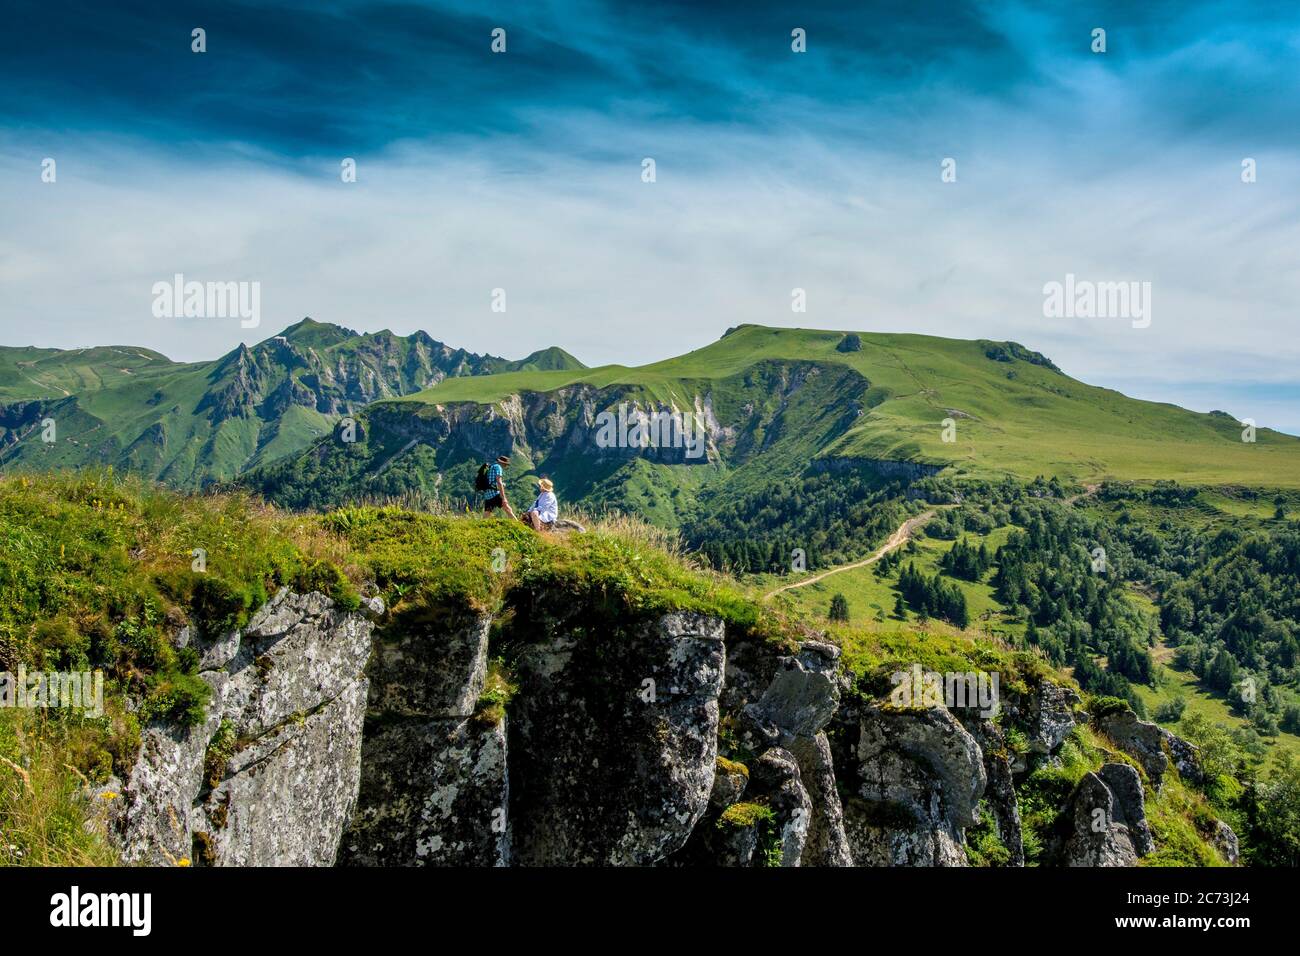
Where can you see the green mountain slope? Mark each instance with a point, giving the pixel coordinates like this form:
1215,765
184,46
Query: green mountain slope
188,424
32,373
552,359
1014,412
814,440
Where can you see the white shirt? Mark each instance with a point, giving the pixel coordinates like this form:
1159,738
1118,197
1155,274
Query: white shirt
546,506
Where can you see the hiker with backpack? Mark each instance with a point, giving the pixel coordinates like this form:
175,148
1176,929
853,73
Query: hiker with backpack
490,482
541,516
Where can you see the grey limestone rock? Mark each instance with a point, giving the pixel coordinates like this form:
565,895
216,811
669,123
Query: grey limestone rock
613,754
270,776
1097,837
1151,746
917,784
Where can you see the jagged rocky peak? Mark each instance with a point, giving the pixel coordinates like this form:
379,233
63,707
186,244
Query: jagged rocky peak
308,333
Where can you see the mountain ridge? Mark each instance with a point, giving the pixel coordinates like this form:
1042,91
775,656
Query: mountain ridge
189,424
976,408
777,402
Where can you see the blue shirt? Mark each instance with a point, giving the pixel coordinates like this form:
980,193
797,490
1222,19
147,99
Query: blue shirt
493,476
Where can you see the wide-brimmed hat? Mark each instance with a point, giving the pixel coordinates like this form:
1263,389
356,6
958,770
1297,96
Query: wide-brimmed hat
503,459
546,484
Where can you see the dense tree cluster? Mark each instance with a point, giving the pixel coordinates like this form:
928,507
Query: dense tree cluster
1229,597
831,518
1169,494
942,490
1230,603
1067,575
932,596
964,560
1263,808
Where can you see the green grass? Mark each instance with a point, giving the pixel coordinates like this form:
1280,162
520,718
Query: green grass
1172,683
422,561
1212,509
1182,824
94,572
498,689
869,594
31,373
48,816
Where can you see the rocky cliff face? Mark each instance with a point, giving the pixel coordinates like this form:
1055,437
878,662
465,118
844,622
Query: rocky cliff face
917,778
1107,819
270,778
653,740
739,418
613,755
539,429
773,416
886,468
434,790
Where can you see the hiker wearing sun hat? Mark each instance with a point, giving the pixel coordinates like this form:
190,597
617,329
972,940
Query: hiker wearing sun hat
541,516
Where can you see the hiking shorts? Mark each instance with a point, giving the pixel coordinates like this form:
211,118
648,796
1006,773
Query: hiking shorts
492,504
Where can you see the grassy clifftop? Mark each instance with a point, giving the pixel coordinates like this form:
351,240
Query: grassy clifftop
97,572
100,573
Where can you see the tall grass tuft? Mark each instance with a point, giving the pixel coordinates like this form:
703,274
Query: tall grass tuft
47,812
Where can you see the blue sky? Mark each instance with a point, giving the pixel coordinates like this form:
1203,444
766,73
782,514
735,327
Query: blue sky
775,170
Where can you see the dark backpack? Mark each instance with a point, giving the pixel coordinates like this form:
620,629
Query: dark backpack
481,479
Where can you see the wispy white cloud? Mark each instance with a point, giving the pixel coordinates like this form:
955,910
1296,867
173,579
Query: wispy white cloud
618,270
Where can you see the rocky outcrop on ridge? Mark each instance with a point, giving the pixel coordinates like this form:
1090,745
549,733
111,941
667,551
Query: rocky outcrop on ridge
655,739
1153,747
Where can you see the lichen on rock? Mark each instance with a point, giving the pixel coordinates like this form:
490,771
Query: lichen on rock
290,689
